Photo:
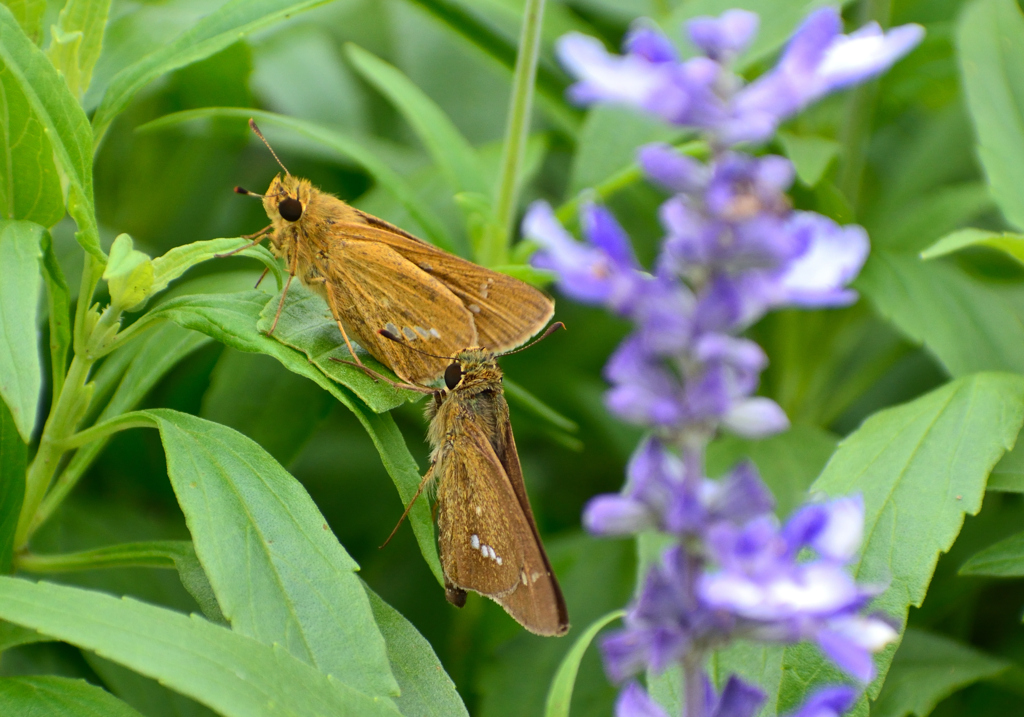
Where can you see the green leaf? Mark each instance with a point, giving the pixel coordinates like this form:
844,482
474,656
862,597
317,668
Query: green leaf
306,324
279,574
58,697
452,153
990,40
32,192
13,460
21,374
609,142
29,14
229,672
77,40
560,692
961,320
231,319
788,462
177,261
921,467
1004,559
915,224
344,145
427,690
1008,475
177,554
257,396
551,83
53,106
811,155
59,300
12,635
1011,244
214,32
926,670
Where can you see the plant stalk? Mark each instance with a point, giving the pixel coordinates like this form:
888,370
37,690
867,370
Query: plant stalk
495,247
860,110
58,426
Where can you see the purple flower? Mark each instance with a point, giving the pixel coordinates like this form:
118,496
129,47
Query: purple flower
817,61
603,271
722,38
851,640
827,702
633,701
738,699
703,93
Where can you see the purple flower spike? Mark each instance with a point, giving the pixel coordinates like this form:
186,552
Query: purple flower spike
738,699
828,702
674,171
724,37
635,702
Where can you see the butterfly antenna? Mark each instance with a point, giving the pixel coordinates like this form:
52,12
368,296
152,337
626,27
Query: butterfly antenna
551,329
246,192
256,130
401,342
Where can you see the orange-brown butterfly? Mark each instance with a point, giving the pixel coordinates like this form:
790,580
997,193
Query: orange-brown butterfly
375,276
487,535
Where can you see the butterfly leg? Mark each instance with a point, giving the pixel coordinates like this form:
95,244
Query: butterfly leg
256,239
429,476
341,327
280,305
381,377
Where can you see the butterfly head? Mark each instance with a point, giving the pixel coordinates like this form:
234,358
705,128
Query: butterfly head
471,366
287,198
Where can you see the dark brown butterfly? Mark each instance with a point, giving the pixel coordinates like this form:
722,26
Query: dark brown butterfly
487,536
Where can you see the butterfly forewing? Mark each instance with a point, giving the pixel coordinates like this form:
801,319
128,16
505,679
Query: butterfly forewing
379,289
506,311
489,544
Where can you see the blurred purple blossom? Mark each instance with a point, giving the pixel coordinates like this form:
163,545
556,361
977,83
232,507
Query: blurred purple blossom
703,92
734,249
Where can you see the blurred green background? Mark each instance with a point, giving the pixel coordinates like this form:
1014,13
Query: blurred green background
908,174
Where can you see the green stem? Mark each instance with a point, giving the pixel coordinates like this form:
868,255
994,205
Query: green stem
495,247
51,444
92,272
92,440
148,554
860,110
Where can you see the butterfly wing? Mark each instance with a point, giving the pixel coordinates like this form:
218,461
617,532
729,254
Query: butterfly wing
373,287
489,544
507,311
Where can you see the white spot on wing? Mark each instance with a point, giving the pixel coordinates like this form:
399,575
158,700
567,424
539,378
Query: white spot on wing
409,333
474,308
435,334
474,540
422,332
479,510
391,329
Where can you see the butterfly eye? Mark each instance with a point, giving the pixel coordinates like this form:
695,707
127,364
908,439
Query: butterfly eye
452,376
290,209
